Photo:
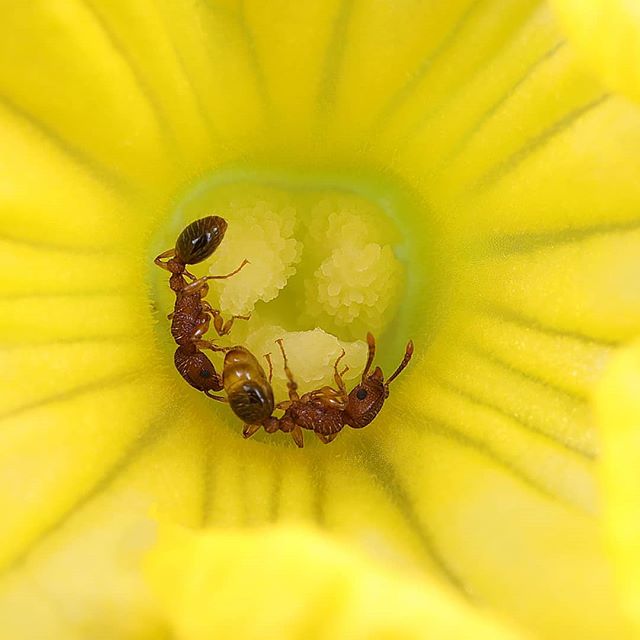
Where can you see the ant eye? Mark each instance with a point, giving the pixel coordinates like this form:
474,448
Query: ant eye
361,394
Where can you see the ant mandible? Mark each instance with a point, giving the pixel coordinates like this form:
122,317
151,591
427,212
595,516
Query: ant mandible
192,314
325,411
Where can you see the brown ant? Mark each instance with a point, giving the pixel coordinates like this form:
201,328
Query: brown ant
325,411
192,314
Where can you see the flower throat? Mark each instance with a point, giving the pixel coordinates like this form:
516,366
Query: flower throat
329,261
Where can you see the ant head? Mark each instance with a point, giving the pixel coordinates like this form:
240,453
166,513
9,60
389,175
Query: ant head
366,400
200,239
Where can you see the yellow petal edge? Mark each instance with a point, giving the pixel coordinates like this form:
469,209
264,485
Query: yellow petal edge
618,411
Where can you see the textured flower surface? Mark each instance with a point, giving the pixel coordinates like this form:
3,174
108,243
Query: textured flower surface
457,172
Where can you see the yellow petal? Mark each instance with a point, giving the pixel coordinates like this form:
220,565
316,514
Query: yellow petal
607,32
293,583
81,577
480,470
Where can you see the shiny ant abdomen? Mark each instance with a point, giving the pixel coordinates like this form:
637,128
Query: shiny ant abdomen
248,389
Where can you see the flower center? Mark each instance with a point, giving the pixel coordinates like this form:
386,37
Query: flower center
329,260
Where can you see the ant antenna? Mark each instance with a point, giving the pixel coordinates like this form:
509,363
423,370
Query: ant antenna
291,384
371,341
160,260
405,361
342,355
267,357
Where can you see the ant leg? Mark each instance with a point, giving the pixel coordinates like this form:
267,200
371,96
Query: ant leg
213,397
291,385
296,434
337,376
201,330
327,438
195,286
207,344
199,283
267,357
249,430
167,254
405,361
284,405
223,328
232,273
206,307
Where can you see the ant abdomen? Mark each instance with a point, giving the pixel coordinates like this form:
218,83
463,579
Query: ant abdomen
196,368
200,239
248,390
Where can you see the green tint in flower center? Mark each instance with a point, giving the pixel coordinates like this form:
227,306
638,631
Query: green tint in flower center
330,260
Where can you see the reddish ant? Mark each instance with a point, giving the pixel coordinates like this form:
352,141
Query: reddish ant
192,314
325,411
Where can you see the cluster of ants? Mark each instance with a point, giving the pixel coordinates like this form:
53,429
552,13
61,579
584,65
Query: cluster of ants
324,411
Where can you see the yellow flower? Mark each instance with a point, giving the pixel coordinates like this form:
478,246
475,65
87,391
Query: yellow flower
453,172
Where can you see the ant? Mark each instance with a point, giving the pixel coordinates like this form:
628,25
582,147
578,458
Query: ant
326,411
192,314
